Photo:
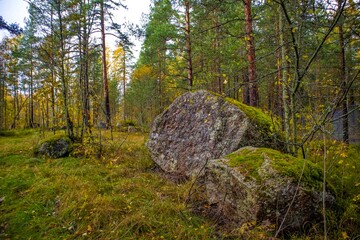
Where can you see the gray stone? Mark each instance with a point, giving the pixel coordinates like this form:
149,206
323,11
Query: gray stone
258,185
199,126
55,147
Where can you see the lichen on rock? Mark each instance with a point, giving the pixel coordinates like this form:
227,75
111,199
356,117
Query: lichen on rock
208,136
258,184
199,126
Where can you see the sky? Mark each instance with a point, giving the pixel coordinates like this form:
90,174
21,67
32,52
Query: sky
15,11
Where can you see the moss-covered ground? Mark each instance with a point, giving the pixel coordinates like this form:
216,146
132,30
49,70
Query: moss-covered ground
113,196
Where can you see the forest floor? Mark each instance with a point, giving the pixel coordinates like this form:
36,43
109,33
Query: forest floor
118,195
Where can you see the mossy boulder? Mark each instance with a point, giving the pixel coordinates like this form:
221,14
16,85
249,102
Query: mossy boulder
267,187
54,147
200,126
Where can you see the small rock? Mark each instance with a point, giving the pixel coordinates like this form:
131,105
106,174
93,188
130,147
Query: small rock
56,147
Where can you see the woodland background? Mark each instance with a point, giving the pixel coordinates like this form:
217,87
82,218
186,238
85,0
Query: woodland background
298,60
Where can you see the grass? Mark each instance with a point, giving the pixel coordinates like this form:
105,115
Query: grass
342,165
116,196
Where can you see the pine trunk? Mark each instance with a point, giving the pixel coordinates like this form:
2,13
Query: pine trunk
250,45
345,120
284,83
69,124
104,71
124,84
188,44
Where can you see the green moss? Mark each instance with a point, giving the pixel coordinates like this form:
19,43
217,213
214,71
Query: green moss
261,120
50,144
270,135
16,133
250,160
256,115
55,138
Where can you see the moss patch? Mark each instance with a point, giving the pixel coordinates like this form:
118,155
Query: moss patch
257,116
250,160
16,133
269,130
54,138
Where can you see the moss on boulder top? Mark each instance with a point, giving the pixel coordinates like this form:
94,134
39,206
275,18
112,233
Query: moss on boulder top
286,165
257,116
263,185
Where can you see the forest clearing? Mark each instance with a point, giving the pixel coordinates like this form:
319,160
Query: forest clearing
232,120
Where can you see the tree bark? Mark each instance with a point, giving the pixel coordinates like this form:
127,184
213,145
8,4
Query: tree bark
69,124
160,81
2,98
219,82
188,44
124,83
84,49
276,102
31,91
250,45
246,95
53,79
284,82
104,71
343,77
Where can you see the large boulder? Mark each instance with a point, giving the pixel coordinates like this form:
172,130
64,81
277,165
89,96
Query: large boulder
54,147
264,186
199,126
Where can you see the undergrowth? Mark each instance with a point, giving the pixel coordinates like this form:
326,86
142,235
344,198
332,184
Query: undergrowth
342,169
110,191
112,196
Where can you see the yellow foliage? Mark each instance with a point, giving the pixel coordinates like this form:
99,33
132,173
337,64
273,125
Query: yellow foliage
246,227
344,235
143,73
117,65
